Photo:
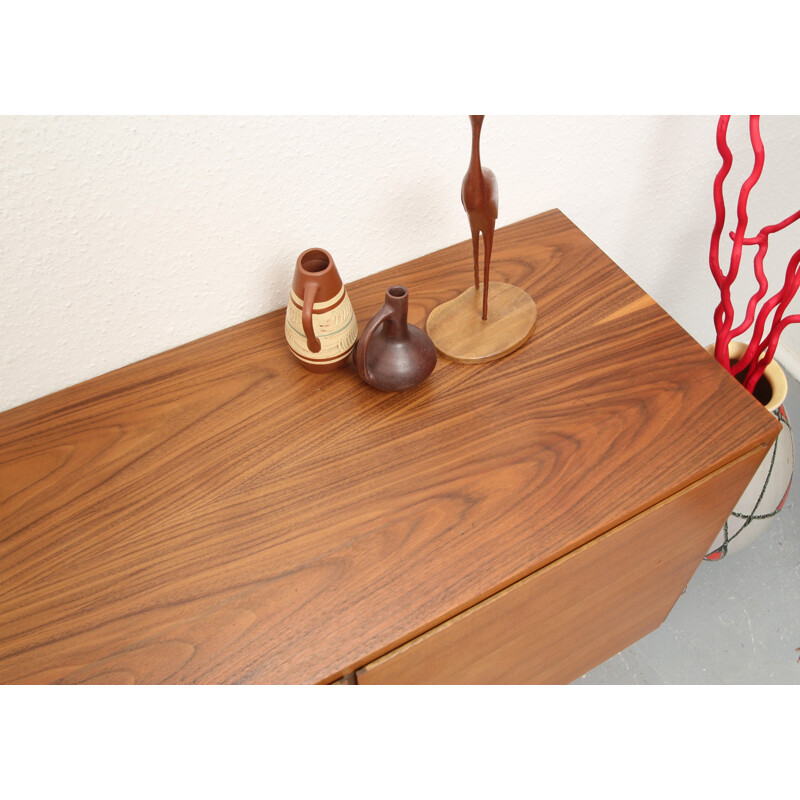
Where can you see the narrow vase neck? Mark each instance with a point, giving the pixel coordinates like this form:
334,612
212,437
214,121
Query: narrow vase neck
396,325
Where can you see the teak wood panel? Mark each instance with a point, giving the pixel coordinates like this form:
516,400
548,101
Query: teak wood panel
216,513
573,614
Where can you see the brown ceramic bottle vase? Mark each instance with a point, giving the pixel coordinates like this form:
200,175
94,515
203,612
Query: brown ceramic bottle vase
321,327
391,354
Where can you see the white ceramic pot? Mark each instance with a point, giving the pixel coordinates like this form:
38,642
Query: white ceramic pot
767,491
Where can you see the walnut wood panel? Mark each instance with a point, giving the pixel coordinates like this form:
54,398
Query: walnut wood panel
575,613
217,513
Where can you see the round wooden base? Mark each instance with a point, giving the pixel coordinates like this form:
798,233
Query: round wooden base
460,334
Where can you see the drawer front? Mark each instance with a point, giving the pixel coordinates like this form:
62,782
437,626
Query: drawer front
573,614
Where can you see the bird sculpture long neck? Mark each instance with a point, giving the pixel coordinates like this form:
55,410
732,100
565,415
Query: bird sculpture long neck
475,174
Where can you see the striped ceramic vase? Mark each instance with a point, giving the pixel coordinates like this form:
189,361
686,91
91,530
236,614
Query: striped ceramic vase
321,328
766,493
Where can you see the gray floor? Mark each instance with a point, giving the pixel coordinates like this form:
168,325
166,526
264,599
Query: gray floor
738,621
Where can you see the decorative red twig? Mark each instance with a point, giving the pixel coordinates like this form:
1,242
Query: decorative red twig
761,349
762,241
770,343
720,353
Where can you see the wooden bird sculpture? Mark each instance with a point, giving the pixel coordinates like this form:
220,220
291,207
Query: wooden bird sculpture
456,327
479,198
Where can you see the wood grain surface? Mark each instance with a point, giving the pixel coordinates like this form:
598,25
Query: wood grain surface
573,614
460,333
217,513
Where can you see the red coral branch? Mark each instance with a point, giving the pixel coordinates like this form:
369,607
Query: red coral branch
762,240
719,206
723,316
770,343
719,201
761,349
763,285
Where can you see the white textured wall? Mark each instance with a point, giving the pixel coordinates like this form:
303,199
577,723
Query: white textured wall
121,237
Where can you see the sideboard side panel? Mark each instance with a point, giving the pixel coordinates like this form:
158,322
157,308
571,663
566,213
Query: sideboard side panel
573,614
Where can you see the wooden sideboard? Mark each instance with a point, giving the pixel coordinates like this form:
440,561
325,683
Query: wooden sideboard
217,514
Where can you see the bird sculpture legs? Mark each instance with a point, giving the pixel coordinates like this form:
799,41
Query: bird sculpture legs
476,244
456,328
488,237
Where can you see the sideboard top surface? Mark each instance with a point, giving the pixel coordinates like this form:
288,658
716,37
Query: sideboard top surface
216,513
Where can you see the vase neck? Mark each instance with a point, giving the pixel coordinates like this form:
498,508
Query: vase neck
396,325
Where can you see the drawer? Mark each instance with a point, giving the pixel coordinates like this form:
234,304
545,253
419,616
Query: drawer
576,612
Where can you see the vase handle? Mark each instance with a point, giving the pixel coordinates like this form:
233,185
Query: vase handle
309,295
363,343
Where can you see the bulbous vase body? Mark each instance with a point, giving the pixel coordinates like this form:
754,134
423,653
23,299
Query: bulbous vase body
392,355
